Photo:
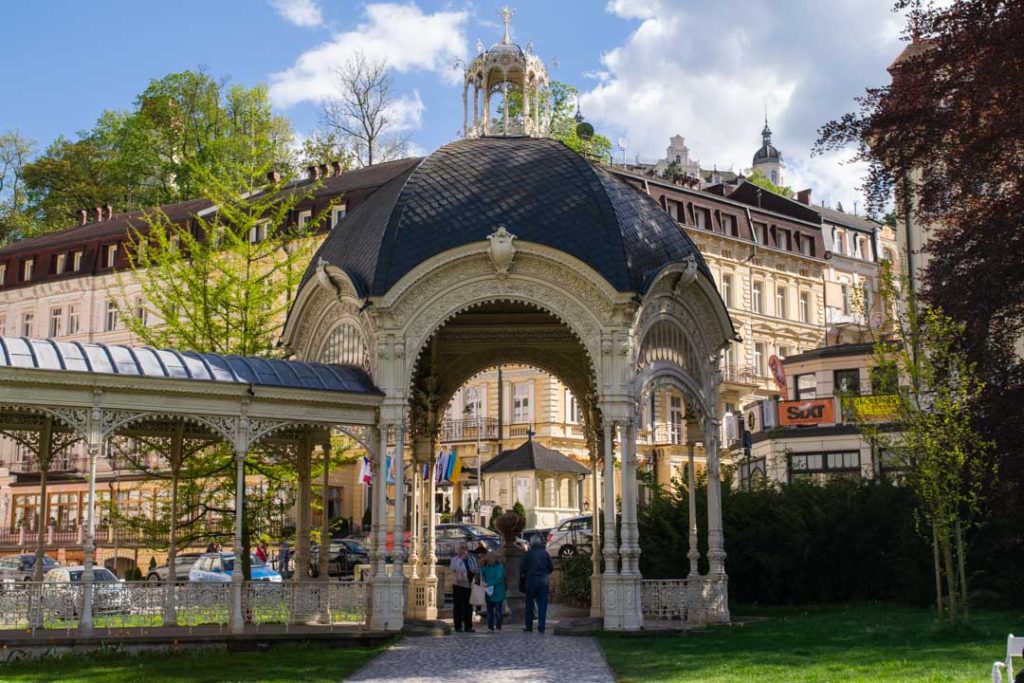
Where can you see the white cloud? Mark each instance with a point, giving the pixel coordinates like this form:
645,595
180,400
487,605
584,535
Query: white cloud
707,70
402,35
305,13
406,112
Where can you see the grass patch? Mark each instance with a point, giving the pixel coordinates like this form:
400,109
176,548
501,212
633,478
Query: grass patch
306,663
863,642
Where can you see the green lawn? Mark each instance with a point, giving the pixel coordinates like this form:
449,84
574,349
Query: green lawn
865,642
309,664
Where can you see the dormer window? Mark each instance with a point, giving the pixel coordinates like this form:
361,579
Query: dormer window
27,267
729,225
338,213
76,261
304,218
700,218
62,263
109,255
3,274
259,232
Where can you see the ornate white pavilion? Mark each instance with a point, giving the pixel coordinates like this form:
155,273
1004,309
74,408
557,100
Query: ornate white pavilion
503,247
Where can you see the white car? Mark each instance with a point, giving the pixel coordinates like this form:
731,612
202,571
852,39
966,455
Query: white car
218,568
573,536
110,595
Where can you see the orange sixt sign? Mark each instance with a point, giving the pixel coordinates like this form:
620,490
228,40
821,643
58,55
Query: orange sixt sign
800,413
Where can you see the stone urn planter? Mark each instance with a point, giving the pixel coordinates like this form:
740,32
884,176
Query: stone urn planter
510,525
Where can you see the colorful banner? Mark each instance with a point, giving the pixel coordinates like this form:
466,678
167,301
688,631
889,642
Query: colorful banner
882,408
803,413
779,375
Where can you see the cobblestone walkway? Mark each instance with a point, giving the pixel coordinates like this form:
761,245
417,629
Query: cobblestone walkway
510,656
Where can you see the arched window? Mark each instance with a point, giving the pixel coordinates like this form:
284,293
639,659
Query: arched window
666,342
345,346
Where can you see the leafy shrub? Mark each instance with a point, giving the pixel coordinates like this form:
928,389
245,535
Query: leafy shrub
798,543
519,509
575,581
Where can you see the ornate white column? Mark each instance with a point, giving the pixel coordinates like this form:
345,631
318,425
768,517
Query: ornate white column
323,559
303,497
95,444
598,534
611,597
717,590
693,551
629,549
399,528
237,621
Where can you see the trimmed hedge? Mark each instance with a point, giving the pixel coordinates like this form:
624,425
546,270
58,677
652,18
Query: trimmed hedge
799,543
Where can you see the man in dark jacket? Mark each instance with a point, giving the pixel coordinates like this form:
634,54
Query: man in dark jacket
535,570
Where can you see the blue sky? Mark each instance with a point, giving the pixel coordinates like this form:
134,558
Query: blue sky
648,68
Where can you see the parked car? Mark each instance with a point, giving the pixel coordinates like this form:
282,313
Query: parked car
449,536
345,554
573,536
218,568
20,567
528,535
110,596
182,564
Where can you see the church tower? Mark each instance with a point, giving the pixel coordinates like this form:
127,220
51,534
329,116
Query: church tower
768,158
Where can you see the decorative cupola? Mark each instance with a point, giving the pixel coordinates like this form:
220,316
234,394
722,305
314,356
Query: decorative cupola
509,89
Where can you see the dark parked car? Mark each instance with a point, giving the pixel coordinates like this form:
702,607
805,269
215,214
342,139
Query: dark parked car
182,565
449,536
20,567
345,554
528,534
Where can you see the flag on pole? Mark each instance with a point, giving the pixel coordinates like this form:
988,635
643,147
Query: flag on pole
366,472
456,467
453,459
390,468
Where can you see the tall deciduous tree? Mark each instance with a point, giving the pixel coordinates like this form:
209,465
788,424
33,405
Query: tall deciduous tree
933,442
154,153
15,150
757,177
361,112
947,137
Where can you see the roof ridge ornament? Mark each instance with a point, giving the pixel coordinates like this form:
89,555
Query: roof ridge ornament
506,13
501,250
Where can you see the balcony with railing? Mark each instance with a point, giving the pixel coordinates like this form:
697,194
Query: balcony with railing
469,429
746,375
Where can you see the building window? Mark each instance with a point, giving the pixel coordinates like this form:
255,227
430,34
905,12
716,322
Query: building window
572,409
258,232
727,289
111,322
338,214
56,318
109,255
845,289
806,245
27,266
729,225
673,210
846,382
757,297
304,218
72,319
141,313
783,351
759,359
837,241
27,324
675,419
822,466
780,302
761,233
521,403
60,264
805,307
806,386
3,273
76,261
700,218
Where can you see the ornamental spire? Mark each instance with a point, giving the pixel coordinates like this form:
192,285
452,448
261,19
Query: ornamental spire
506,14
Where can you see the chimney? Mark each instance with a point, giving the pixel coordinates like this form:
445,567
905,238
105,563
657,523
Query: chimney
336,167
313,172
325,171
109,211
98,212
273,177
804,196
83,216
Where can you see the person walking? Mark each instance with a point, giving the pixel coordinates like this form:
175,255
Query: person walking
261,552
464,567
492,575
535,570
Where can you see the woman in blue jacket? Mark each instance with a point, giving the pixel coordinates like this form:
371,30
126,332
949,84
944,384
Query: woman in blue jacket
492,577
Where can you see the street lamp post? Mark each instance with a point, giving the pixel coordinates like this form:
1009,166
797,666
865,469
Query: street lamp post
479,482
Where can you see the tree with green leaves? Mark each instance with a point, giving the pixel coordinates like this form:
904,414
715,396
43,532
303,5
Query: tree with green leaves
180,126
930,437
562,98
757,177
15,151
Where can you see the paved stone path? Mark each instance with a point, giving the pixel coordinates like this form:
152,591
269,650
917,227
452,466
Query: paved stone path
510,656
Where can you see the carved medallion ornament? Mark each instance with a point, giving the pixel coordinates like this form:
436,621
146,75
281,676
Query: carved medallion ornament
501,251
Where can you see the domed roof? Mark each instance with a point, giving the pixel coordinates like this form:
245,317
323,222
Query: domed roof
537,188
767,153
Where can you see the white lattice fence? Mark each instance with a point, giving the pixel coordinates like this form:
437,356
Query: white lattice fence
666,599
